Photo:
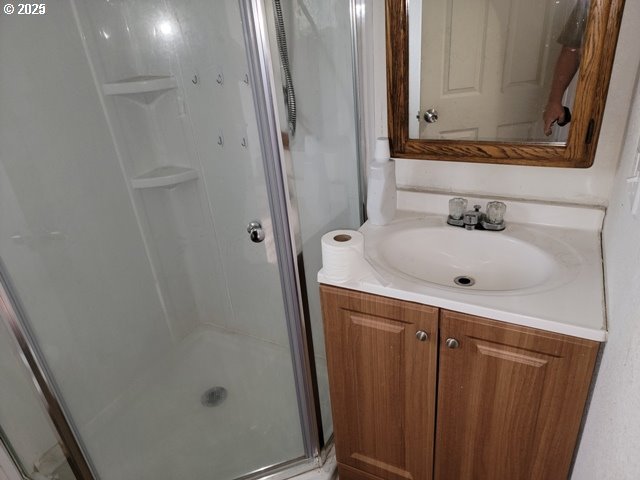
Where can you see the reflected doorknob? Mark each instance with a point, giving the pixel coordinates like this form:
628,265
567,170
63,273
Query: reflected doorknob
255,231
431,115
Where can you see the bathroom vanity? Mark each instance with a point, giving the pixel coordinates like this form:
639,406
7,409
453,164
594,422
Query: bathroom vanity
446,381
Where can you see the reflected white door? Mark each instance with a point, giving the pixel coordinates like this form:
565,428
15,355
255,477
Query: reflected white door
486,66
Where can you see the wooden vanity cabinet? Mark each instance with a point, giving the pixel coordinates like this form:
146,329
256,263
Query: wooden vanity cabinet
509,399
382,379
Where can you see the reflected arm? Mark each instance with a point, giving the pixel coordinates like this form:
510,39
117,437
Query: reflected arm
566,68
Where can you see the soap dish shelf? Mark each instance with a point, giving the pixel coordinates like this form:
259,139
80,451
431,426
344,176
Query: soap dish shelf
166,177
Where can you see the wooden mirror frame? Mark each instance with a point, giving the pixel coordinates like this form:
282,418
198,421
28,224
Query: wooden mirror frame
601,37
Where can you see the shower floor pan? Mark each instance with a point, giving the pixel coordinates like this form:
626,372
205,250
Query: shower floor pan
160,429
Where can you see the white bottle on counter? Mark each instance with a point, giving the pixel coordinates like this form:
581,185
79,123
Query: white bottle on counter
381,185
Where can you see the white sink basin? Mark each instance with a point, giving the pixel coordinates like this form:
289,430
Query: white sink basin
516,259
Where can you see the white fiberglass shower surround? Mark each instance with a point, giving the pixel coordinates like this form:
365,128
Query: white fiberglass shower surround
144,335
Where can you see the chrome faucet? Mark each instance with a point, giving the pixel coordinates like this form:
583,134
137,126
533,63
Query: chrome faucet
475,219
472,218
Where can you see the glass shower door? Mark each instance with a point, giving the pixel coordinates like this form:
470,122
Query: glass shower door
130,168
321,157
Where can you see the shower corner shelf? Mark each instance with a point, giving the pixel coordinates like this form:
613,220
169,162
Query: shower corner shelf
166,177
146,88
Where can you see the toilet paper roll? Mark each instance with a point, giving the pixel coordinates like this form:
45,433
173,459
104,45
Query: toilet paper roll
342,254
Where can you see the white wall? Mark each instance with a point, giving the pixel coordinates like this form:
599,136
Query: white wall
584,186
609,446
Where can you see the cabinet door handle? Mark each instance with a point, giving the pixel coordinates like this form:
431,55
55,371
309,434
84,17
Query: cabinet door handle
452,343
422,335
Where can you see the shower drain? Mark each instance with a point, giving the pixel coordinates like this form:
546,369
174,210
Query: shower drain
464,281
213,397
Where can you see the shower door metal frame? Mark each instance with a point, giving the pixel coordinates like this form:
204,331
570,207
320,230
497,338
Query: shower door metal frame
260,65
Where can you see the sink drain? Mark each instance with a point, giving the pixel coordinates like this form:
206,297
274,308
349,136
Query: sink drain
213,397
464,281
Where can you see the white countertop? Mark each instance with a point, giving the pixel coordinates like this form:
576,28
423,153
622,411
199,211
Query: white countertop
574,306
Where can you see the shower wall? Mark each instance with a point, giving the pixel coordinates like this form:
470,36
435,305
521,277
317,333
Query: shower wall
197,232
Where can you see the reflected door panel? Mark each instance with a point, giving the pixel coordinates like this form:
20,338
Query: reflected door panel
487,67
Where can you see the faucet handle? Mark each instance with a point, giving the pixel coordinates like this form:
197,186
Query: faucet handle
495,212
494,218
457,207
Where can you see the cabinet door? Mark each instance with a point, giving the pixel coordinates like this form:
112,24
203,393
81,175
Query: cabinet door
510,400
382,379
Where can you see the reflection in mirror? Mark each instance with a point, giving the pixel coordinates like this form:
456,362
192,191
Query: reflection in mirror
494,70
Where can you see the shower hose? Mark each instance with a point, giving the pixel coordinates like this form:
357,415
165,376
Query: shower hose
289,92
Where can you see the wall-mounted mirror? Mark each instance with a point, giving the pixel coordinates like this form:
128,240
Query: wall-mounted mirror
499,81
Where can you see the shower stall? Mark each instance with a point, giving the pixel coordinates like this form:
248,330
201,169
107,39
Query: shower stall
160,224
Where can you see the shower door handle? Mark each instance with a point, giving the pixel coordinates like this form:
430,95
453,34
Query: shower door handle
255,231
